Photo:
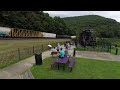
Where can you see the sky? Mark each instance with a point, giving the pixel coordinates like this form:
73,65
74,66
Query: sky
108,14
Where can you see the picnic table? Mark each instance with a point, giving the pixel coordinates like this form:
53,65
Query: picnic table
62,61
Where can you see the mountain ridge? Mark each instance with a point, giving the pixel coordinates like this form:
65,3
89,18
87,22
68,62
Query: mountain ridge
104,27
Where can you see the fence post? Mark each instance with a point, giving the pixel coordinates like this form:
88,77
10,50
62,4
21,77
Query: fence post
19,53
116,51
33,50
74,52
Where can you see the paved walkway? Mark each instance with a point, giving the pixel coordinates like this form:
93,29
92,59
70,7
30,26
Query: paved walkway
98,55
13,71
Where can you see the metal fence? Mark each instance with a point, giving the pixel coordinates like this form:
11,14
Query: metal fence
9,57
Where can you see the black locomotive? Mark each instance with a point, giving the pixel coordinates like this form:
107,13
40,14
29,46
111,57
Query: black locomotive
87,38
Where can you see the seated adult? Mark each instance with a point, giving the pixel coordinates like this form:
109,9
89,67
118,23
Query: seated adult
58,47
62,53
66,52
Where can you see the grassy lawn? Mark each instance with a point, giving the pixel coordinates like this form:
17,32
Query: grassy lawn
113,50
9,53
82,69
114,41
7,45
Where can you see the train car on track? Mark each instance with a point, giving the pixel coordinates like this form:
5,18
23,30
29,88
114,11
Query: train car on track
6,32
18,33
48,35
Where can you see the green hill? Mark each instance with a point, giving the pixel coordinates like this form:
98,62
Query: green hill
104,27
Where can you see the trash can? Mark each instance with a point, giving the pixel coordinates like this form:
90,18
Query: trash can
116,51
74,52
38,59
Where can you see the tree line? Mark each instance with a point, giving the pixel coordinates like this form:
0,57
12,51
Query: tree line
40,21
34,20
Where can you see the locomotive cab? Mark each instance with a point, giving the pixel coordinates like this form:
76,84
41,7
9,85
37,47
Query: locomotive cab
87,38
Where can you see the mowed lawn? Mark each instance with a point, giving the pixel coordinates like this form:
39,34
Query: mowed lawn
82,69
113,50
6,45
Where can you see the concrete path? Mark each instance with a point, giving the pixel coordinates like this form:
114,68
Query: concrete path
98,55
13,71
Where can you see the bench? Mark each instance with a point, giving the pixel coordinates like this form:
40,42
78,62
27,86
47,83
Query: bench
71,64
56,63
53,63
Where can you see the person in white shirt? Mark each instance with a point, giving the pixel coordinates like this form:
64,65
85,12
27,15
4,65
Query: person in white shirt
58,47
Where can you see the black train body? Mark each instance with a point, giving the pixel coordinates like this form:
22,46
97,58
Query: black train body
87,38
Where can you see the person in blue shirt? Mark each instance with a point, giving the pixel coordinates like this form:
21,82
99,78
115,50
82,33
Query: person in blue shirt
62,53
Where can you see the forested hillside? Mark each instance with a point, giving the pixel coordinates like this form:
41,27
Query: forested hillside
104,27
34,20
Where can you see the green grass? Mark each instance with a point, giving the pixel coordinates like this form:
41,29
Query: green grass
8,45
9,49
98,49
82,69
114,41
8,63
113,50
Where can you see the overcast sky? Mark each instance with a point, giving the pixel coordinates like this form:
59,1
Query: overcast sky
108,14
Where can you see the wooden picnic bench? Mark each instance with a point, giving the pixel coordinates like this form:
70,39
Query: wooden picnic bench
71,64
61,61
53,63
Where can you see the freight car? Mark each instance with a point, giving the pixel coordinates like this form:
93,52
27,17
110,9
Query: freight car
73,37
16,33
48,35
6,32
63,36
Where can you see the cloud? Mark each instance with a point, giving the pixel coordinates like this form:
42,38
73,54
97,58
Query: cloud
108,14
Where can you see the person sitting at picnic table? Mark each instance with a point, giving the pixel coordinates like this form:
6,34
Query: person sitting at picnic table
66,51
65,44
68,45
58,47
62,53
